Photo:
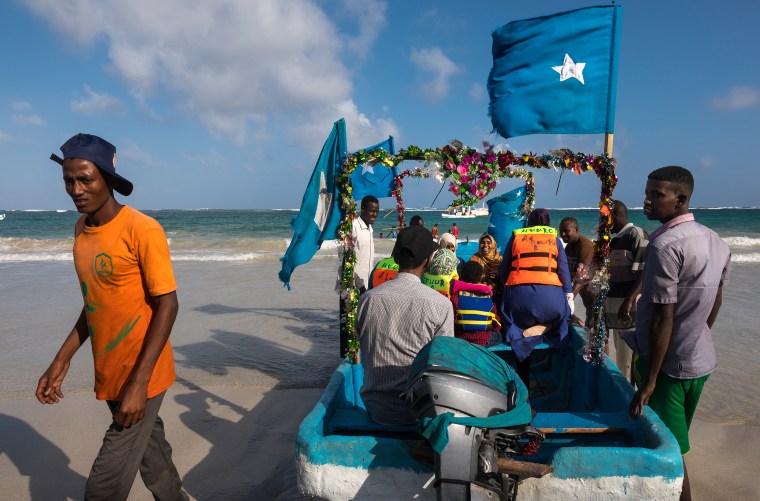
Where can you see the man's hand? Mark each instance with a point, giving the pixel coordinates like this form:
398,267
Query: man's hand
626,311
133,403
49,385
574,319
640,399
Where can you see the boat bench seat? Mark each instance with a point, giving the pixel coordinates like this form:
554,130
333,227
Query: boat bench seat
582,422
356,421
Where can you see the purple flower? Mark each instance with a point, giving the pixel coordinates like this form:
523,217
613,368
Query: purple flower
464,179
473,189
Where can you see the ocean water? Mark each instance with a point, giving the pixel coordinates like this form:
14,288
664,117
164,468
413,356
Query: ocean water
230,249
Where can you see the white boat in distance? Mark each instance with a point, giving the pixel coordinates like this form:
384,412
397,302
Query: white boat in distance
465,212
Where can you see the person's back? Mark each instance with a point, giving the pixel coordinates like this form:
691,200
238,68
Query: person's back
394,321
475,317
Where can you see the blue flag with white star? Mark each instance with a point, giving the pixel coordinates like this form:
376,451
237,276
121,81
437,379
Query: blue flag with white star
556,74
320,212
375,179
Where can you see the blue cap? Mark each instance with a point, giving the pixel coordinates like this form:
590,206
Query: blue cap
98,151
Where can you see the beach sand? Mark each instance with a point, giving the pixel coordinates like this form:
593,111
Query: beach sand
252,359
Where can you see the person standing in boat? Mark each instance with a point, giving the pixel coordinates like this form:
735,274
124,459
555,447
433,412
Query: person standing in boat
627,252
580,255
394,321
364,247
124,269
687,266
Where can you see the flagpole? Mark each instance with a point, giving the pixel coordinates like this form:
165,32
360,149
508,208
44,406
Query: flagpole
608,139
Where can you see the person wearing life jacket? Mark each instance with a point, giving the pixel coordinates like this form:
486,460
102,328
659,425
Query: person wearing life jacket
385,270
441,271
475,317
537,282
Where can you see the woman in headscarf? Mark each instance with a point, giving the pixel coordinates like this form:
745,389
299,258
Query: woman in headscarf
489,258
449,241
535,307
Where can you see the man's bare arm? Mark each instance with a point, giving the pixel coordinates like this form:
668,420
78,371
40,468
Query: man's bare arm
49,385
660,333
134,395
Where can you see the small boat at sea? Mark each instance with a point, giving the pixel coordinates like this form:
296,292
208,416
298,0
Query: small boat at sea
458,213
591,447
2,216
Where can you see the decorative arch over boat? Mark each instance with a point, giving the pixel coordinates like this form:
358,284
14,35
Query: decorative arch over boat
472,175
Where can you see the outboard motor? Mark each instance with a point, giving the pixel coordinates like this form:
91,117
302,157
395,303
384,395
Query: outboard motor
473,409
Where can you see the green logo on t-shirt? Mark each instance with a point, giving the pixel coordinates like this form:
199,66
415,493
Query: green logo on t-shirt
103,265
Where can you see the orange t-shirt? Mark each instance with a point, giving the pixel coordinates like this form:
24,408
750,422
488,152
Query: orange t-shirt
119,265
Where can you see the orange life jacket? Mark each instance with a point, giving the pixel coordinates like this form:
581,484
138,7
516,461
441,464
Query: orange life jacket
385,270
534,257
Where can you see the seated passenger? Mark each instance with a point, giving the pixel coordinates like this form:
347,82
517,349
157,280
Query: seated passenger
489,258
394,321
449,241
475,318
536,306
441,270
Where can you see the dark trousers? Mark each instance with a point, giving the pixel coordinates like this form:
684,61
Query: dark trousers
142,447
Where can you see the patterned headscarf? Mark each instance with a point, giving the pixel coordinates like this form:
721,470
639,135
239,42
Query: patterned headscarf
443,262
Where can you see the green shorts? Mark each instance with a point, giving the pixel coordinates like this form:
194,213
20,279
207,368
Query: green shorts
674,400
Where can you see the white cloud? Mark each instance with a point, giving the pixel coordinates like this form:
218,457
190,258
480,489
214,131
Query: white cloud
35,120
134,155
98,104
211,159
476,92
738,98
370,17
21,106
362,131
440,68
235,65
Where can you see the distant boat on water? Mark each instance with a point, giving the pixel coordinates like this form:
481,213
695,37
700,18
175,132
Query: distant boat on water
465,212
2,216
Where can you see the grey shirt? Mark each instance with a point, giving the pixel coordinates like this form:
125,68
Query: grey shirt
685,265
393,322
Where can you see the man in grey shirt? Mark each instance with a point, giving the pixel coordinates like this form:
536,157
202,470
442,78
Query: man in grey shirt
394,321
687,265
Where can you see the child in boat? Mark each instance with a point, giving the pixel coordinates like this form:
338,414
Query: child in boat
475,318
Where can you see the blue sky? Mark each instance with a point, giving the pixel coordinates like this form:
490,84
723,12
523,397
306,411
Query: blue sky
226,104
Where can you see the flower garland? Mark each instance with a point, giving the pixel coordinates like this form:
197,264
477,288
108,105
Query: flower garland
472,175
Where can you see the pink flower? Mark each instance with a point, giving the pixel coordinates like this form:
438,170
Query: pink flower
454,189
480,194
490,158
473,189
462,170
476,157
467,160
464,179
491,185
450,165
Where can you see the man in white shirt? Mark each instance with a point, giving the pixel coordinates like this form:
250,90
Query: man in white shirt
364,247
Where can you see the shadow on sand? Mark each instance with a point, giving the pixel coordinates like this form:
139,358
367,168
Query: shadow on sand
242,440
47,462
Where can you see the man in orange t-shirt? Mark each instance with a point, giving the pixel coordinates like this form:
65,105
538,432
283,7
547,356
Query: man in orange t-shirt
122,261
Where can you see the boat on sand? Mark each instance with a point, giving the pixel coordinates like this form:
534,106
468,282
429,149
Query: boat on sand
592,449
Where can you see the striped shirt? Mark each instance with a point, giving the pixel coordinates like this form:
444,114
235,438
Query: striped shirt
393,322
627,253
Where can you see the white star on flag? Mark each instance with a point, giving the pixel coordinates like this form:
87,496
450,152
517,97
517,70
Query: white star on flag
570,69
324,203
367,168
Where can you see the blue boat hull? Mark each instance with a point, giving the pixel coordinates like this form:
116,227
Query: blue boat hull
596,450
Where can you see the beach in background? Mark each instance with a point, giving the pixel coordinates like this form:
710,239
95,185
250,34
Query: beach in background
252,357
